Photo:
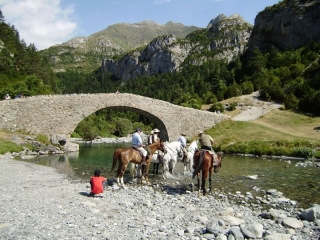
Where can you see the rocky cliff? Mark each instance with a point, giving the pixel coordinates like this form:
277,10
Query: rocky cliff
287,25
224,38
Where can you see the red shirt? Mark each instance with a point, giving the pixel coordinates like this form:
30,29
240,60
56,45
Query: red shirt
96,184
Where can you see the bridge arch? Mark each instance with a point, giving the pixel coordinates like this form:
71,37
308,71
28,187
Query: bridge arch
60,114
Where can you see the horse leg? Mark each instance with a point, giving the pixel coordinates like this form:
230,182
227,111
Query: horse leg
203,184
147,172
191,164
210,176
119,175
199,187
173,165
154,168
123,169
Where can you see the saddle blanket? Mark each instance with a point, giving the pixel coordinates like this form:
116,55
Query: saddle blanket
215,157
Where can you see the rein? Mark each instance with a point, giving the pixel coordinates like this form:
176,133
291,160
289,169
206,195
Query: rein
157,148
166,146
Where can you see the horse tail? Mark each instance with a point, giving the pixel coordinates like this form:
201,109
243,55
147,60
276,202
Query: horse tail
116,156
198,167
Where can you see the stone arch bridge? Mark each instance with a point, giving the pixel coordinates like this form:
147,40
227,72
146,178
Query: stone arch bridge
58,115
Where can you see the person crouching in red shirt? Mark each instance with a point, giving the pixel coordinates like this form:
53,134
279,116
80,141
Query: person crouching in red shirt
97,183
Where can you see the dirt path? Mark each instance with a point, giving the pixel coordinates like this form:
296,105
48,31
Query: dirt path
251,107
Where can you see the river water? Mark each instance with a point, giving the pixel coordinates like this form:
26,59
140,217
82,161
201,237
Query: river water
298,183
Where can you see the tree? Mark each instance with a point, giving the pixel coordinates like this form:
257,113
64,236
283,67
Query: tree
1,17
291,102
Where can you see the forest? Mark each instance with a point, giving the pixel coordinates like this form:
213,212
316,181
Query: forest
291,77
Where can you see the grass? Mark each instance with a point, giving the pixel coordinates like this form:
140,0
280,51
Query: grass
8,146
277,132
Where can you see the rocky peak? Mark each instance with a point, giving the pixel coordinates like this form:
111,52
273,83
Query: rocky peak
77,42
158,44
287,24
214,21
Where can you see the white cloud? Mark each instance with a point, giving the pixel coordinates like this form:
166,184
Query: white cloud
42,22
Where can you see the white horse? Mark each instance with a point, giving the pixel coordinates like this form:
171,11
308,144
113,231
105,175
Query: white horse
191,149
170,158
156,159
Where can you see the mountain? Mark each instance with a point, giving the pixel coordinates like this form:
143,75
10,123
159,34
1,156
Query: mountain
223,39
288,24
86,53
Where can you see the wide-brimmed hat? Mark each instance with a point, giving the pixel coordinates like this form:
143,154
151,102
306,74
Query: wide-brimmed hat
156,130
200,132
183,134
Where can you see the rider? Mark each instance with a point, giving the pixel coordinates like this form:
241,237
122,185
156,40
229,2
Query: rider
182,139
206,142
150,138
157,139
155,135
137,144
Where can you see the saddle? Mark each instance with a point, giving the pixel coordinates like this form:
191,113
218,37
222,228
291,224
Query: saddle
140,153
214,156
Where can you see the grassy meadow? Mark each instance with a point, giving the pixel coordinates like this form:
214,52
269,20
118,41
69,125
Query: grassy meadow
278,132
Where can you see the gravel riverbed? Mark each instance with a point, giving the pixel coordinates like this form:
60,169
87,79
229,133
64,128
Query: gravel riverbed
37,202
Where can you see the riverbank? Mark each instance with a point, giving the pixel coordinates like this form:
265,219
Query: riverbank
38,202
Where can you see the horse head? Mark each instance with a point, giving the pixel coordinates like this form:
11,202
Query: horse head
217,167
157,146
193,146
161,147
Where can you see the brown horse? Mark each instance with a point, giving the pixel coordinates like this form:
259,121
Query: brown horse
204,162
126,155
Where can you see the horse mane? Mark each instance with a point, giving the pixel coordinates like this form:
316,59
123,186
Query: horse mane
154,144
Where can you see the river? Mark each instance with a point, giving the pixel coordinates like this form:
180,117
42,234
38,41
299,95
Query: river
298,183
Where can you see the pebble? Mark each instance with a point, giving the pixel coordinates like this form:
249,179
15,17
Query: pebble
38,202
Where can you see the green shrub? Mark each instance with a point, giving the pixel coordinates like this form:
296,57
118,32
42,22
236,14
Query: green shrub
216,107
274,148
305,152
8,146
232,107
291,102
43,139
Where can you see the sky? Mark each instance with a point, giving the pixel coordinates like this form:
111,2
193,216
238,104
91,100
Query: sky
49,22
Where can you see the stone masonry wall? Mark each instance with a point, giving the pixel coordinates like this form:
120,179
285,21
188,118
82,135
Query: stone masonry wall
58,115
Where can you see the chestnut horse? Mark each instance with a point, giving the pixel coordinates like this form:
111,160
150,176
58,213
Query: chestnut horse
126,155
204,162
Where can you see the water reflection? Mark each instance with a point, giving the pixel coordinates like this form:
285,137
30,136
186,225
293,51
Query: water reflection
297,183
